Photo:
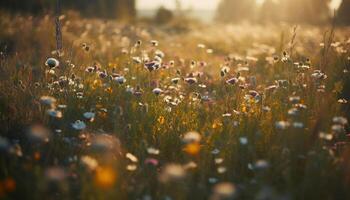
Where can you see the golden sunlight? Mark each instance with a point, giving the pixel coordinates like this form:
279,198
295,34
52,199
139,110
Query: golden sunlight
175,99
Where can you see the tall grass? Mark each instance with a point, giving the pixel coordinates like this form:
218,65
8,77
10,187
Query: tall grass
277,130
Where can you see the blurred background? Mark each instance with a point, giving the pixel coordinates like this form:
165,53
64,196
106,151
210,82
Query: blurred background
162,11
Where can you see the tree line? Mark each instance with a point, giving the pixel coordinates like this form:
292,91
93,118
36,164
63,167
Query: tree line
294,11
88,8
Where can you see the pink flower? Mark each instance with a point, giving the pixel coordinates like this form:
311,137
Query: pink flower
151,161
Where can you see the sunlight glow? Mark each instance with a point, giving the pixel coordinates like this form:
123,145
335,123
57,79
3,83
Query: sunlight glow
171,4
203,5
260,2
335,4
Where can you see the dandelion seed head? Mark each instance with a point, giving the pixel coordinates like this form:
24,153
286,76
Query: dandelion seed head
172,172
340,120
282,125
190,165
219,160
243,140
221,169
154,43
227,115
326,136
212,180
298,125
192,137
201,46
131,157
224,190
224,70
266,108
261,164
337,128
215,151
138,43
318,74
293,111
210,51
131,167
89,162
137,60
342,101
153,151
38,133
55,174
120,79
159,53
105,144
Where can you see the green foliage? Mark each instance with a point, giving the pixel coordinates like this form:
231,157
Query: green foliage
95,127
121,9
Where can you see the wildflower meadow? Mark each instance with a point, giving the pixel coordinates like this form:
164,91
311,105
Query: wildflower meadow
95,108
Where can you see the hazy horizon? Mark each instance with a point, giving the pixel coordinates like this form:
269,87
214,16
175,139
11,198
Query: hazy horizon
170,4
208,5
204,12
201,15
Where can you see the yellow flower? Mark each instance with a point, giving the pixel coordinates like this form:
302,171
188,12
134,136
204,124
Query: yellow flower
192,148
216,124
37,155
111,65
97,83
9,184
105,177
109,90
102,115
244,109
161,120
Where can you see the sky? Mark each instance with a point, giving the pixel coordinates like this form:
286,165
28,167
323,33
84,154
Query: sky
195,4
335,4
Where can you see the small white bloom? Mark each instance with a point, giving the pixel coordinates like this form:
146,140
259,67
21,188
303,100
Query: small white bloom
120,79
